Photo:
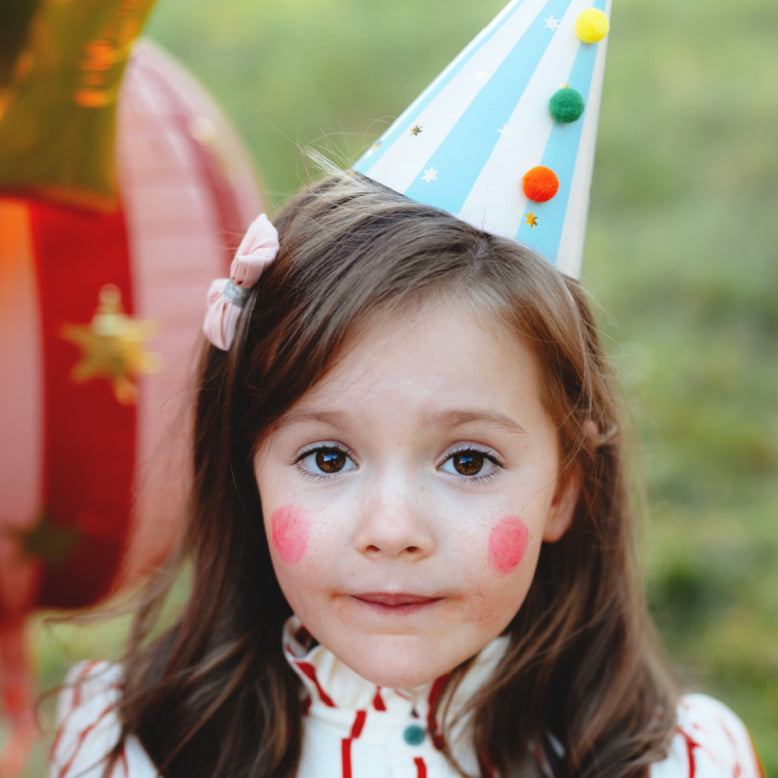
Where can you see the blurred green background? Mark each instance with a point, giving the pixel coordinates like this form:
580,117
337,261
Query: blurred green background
680,259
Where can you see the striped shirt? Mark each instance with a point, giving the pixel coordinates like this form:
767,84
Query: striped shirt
354,729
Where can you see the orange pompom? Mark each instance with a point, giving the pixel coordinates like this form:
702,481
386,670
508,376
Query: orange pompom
540,184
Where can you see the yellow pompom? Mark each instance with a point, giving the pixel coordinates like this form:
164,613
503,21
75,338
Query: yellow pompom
591,25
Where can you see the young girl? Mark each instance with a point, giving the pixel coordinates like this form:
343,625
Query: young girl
410,542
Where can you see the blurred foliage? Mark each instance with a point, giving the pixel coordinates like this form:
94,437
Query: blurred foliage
681,255
681,260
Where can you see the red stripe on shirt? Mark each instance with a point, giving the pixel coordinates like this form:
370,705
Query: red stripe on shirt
737,771
378,701
432,725
359,723
82,737
488,766
121,759
85,671
345,745
691,745
75,701
421,768
345,757
310,671
303,637
735,747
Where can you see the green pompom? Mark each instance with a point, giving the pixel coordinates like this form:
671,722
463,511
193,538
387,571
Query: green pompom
566,106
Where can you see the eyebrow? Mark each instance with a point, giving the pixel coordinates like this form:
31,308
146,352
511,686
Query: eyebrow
452,418
458,418
292,417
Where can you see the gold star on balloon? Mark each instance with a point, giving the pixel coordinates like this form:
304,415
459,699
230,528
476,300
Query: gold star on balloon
532,220
112,346
49,541
416,130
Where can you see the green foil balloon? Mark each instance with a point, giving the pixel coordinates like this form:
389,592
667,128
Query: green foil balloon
58,93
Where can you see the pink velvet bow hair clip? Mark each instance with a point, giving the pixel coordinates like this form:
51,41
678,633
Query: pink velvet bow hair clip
227,296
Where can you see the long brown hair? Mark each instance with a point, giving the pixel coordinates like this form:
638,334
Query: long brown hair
580,688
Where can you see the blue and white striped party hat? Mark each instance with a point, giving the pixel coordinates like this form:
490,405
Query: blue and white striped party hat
504,138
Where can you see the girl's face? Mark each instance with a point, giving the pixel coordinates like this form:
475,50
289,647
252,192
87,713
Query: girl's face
406,495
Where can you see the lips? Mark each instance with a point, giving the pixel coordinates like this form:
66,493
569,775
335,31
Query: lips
396,601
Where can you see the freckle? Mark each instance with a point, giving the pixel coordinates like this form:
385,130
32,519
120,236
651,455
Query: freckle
507,544
290,534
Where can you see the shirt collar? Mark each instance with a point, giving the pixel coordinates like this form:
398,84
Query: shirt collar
330,683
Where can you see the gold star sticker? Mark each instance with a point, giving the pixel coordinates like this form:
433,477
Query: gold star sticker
112,346
416,130
532,220
49,541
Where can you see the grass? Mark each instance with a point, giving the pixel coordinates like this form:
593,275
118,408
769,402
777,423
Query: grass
680,258
681,254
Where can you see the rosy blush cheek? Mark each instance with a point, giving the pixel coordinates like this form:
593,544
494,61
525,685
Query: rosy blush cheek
507,544
289,530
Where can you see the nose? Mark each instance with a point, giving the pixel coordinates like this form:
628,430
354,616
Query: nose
395,522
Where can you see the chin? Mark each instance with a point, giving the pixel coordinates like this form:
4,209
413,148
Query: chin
397,678
396,667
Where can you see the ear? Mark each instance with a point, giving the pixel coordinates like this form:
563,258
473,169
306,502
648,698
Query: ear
562,509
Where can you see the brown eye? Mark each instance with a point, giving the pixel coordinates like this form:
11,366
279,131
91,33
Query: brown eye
325,460
468,462
471,464
330,460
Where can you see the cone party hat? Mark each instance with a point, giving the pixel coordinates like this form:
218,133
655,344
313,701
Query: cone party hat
504,138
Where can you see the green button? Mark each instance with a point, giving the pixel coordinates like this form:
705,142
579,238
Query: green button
414,735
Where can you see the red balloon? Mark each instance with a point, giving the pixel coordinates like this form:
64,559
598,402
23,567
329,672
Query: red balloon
100,317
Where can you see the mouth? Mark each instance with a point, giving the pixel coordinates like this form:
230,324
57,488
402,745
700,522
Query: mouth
396,603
